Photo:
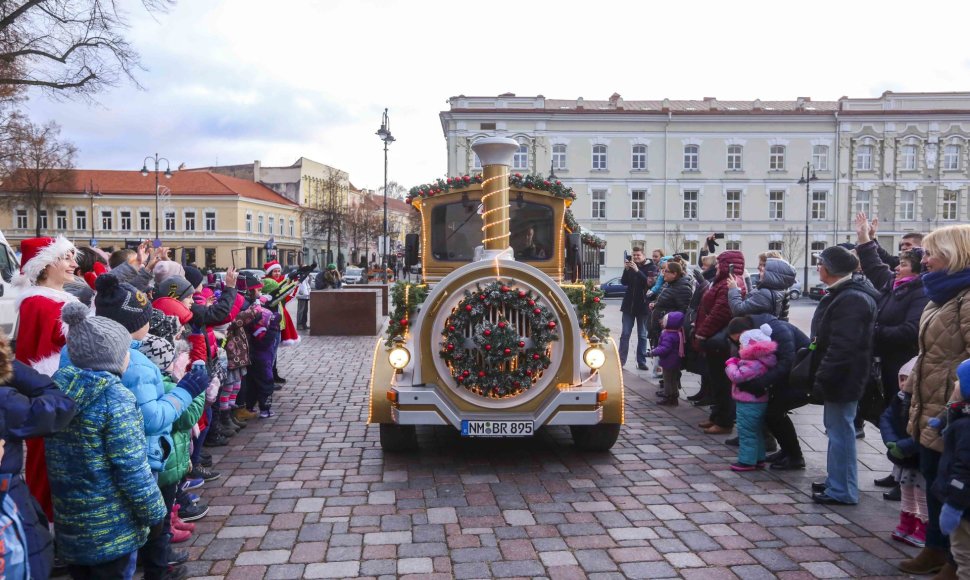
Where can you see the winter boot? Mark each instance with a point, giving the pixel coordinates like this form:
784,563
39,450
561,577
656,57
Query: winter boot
179,536
177,523
215,438
928,561
906,527
236,421
226,426
918,537
948,572
244,414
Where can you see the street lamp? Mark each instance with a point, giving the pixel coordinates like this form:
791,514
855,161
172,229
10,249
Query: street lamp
552,171
93,194
806,179
385,134
168,175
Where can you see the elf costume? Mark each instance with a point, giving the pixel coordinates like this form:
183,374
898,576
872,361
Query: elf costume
288,333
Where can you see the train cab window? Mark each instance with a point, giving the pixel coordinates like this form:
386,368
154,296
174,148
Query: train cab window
456,229
531,229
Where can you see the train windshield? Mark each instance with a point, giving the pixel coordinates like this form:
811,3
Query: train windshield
456,229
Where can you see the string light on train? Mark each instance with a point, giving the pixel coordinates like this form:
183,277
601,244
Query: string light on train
490,223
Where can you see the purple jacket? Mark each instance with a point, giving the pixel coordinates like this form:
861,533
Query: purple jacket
670,348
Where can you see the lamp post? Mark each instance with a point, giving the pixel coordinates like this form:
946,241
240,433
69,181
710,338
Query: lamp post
168,175
93,194
806,179
385,134
552,171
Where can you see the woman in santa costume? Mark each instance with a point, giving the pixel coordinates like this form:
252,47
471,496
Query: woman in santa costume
47,264
288,334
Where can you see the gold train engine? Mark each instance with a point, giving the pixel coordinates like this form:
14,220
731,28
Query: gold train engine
493,343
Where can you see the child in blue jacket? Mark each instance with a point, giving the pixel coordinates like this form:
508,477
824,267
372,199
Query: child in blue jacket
952,484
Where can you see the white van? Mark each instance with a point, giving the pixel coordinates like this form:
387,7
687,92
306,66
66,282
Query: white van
8,292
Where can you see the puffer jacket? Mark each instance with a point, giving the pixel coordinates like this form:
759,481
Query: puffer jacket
952,483
105,498
769,297
670,347
177,464
944,342
158,408
842,330
715,310
790,339
673,297
31,405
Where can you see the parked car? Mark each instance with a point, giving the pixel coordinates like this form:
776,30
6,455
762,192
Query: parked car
613,288
354,275
416,268
818,291
794,292
254,271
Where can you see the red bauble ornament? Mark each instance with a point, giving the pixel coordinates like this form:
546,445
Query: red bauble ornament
521,293
468,308
528,373
596,299
451,347
451,329
552,324
508,351
504,288
516,384
404,322
501,325
481,374
481,297
521,344
461,379
487,332
532,302
488,347
465,373
535,357
537,311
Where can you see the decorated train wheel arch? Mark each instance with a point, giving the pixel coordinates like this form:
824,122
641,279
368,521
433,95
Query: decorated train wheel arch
485,353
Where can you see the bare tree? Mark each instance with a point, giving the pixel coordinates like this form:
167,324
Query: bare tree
394,190
37,164
793,245
675,240
66,47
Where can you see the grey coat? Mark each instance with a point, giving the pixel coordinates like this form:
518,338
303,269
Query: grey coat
769,297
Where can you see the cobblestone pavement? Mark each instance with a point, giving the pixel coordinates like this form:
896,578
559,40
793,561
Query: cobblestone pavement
309,493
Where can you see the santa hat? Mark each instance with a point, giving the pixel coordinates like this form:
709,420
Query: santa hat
37,254
271,265
762,334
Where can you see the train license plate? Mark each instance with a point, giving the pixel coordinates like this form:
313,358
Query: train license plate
496,428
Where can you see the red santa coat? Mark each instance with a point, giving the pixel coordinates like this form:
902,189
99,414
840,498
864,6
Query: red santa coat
40,337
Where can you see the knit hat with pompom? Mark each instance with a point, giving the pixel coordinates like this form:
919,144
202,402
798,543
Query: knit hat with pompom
762,334
94,342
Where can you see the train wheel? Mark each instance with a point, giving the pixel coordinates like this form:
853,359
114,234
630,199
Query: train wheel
600,437
398,438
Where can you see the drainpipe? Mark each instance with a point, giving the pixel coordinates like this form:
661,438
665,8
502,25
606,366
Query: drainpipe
838,156
663,241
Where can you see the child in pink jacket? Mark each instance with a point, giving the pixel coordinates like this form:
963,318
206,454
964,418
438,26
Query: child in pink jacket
755,357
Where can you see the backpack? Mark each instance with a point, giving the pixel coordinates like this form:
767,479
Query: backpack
13,542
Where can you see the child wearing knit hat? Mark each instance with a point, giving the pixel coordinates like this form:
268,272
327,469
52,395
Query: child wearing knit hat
755,357
102,523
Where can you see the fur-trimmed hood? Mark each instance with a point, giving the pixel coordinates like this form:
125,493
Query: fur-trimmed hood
49,293
756,350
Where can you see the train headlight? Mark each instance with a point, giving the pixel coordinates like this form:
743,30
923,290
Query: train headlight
593,356
399,357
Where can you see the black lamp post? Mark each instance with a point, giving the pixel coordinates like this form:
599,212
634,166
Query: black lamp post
93,194
552,171
806,179
385,134
168,175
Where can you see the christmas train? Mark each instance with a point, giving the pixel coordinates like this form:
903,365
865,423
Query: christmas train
493,342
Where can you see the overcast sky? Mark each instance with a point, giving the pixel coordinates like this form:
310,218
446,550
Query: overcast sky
233,81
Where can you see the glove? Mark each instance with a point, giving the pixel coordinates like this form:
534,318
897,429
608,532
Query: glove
935,423
950,518
895,451
195,382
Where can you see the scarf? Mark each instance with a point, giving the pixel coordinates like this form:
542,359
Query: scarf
900,281
941,287
681,341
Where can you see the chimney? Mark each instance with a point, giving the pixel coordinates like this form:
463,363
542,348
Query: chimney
257,170
496,155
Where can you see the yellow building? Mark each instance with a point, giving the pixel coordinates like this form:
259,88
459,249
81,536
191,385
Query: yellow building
210,219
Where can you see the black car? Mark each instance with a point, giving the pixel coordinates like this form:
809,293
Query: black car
613,288
818,291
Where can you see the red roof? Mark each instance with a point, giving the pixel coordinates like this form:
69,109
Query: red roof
197,183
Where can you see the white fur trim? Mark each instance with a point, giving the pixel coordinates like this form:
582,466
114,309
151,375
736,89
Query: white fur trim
274,267
47,365
49,293
291,342
50,254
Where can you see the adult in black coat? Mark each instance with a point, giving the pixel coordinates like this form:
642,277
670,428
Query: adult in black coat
634,307
674,296
899,307
31,405
782,397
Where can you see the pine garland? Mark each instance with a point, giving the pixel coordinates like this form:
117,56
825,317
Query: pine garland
510,364
588,299
532,181
407,297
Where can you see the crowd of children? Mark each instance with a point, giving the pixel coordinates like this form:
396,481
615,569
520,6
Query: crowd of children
121,377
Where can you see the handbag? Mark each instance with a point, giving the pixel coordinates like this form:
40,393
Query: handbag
802,375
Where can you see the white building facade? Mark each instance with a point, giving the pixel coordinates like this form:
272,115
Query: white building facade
665,174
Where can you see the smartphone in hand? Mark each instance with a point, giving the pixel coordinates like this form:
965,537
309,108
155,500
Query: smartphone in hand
626,256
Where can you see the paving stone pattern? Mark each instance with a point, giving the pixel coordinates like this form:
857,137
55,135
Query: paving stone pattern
309,493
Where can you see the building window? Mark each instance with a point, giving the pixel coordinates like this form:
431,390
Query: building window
106,224
949,205
638,207
907,205
639,161
42,218
210,257
61,217
732,209
863,202
951,157
80,219
820,200
599,204
816,248
22,219
733,245
559,156
188,255
820,157
863,158
476,163
249,222
144,221
521,158
690,205
775,246
776,205
735,156
210,221
292,228
907,158
170,221
599,157
272,224
602,257
125,218
259,224
691,247
189,217
281,225
776,158
691,155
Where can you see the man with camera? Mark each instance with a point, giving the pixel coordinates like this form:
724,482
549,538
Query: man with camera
635,277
